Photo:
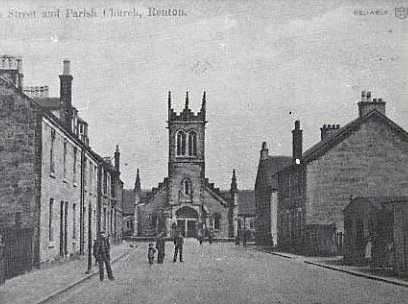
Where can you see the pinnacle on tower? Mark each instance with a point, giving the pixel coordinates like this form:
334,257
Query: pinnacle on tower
137,182
169,100
234,185
186,107
203,104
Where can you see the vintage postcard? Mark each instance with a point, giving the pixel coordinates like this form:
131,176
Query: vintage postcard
203,151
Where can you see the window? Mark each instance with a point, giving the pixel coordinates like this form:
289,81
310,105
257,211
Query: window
75,164
186,186
65,158
50,219
181,143
52,164
192,143
104,219
74,221
217,221
85,177
105,182
113,187
90,176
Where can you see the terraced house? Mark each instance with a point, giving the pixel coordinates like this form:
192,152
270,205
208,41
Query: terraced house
56,191
367,157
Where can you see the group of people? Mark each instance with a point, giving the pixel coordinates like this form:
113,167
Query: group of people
243,235
178,241
201,234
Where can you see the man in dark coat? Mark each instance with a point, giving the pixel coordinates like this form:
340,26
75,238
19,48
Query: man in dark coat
102,256
178,246
160,246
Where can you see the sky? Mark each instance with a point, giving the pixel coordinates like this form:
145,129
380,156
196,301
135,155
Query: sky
263,65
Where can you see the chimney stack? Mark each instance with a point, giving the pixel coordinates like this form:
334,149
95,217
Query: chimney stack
328,131
297,143
365,106
264,151
66,114
117,158
20,73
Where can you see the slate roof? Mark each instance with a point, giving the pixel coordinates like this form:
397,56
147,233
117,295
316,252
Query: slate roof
49,103
323,146
267,168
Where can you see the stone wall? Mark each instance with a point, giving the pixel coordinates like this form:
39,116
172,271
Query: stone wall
17,157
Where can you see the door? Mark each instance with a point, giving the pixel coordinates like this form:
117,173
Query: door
61,234
191,228
181,227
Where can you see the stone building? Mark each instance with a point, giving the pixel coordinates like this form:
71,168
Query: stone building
366,157
53,181
266,196
186,199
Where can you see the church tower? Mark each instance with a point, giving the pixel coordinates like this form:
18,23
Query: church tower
186,167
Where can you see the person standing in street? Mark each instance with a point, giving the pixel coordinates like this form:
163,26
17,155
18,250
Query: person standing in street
210,237
160,246
244,237
178,247
200,236
102,255
150,253
237,239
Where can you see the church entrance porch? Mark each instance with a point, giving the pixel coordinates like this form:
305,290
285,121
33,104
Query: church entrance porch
187,227
187,219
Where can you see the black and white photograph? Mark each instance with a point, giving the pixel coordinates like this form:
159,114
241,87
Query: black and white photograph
203,152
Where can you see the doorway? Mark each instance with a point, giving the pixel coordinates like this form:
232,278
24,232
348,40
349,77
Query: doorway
187,219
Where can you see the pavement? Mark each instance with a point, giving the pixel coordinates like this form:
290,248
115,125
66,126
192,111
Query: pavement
336,263
41,285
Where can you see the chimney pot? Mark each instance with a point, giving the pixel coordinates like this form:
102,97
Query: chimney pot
19,65
66,69
380,100
368,96
363,95
375,100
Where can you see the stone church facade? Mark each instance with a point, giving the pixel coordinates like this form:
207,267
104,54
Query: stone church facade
186,200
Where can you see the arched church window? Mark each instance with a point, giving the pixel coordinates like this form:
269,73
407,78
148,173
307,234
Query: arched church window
186,187
192,143
181,143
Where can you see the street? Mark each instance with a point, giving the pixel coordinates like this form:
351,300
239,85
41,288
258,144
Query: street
224,273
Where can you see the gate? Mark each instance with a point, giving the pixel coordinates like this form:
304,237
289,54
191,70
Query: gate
17,249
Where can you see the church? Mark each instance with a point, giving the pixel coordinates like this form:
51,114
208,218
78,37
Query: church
186,200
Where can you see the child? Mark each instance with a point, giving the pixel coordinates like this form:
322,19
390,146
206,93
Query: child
150,253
